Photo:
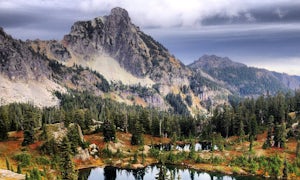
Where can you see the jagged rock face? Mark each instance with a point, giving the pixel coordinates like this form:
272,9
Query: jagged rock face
137,52
51,49
59,51
19,61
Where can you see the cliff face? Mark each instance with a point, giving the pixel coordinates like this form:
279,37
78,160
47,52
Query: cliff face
135,51
19,61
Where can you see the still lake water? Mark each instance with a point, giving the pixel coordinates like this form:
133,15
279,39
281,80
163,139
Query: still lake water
153,172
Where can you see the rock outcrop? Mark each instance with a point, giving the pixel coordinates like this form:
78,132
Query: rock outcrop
19,61
135,51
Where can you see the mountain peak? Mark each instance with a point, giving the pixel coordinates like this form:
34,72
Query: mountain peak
115,35
117,11
213,61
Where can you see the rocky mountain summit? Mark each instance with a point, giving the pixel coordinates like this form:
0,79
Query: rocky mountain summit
90,43
135,51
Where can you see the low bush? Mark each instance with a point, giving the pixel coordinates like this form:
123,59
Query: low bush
42,160
24,159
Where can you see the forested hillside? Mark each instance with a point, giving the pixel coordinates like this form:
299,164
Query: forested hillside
245,120
241,79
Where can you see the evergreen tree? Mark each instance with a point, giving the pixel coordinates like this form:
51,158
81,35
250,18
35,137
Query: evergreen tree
68,118
298,149
88,118
35,174
155,126
280,135
74,137
226,120
253,127
109,131
66,164
30,117
7,164
268,143
3,130
173,138
241,131
145,121
79,118
285,169
137,137
19,170
251,139
4,116
283,135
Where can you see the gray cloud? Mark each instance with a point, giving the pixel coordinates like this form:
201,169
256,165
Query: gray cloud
271,14
56,16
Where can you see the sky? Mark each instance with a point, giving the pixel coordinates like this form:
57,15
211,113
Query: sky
259,33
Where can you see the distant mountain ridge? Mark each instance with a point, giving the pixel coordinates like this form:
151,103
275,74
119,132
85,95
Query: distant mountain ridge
243,80
212,61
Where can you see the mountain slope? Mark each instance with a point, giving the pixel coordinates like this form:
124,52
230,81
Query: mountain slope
243,80
32,71
27,76
24,74
106,39
114,47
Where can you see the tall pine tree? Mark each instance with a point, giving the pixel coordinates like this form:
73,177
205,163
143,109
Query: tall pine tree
29,127
66,164
3,130
137,134
268,142
109,131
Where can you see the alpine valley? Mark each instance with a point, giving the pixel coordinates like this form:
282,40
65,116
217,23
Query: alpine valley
107,75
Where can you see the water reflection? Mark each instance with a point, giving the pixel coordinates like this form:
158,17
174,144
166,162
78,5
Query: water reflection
153,172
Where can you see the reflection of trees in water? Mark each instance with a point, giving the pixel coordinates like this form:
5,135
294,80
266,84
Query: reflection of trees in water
139,174
192,174
162,173
110,173
84,174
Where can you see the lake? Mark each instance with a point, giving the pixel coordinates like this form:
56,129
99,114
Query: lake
154,172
